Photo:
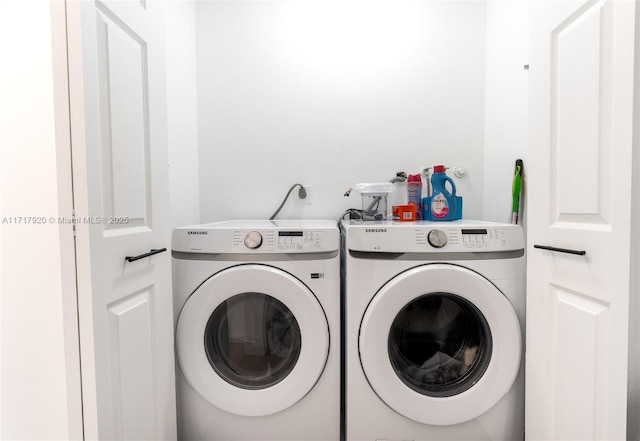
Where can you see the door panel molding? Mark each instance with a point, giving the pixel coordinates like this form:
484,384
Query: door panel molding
124,99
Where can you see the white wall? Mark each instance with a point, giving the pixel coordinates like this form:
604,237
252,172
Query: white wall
39,367
506,103
182,120
331,94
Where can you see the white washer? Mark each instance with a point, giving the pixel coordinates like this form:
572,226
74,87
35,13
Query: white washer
434,330
257,309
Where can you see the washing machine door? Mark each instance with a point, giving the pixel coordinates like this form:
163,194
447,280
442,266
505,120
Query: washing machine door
440,344
252,340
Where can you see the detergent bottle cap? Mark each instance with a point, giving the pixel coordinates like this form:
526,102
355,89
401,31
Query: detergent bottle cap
438,168
414,178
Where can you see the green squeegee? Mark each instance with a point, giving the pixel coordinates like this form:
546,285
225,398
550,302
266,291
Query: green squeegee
515,188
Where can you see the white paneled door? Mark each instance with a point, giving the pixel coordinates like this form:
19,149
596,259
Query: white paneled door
579,193
120,172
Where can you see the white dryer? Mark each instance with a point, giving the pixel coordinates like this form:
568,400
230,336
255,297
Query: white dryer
434,330
257,310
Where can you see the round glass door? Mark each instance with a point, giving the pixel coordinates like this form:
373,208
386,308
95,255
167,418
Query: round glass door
252,340
440,344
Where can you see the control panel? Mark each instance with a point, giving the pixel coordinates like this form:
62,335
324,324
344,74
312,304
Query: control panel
277,240
481,238
435,237
255,240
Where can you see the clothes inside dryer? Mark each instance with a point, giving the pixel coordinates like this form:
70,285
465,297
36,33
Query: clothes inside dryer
440,344
252,340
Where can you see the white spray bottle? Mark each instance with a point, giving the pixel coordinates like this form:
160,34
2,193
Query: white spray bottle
425,173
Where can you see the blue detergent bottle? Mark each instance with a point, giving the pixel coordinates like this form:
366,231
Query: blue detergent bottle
443,205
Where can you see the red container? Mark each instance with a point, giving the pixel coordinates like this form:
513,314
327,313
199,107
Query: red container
404,213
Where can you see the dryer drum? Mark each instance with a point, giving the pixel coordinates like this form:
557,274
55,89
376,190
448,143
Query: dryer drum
440,344
252,340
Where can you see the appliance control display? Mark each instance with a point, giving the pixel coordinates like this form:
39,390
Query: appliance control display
253,240
475,231
283,241
437,238
484,238
474,237
298,240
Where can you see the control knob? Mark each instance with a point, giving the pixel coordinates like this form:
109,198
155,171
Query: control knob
253,240
437,238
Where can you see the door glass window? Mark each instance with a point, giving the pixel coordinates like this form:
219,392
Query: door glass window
252,340
440,344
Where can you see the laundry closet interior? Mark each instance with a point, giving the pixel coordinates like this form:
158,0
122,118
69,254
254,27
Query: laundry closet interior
262,95
210,111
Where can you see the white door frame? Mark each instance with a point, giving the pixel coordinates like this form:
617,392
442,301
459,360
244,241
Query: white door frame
633,380
73,368
41,376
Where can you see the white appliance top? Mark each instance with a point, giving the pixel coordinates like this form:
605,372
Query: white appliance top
258,237
462,236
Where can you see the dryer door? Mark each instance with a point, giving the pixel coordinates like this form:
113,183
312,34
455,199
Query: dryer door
440,344
252,340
